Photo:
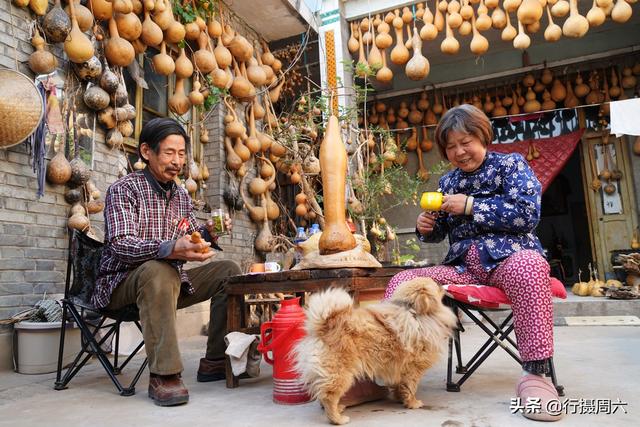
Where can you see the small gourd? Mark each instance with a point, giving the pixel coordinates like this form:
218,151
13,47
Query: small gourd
41,61
418,67
576,25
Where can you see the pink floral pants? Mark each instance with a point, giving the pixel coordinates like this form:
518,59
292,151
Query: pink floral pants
524,277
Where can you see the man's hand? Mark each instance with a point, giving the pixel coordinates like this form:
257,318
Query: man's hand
454,204
227,225
425,222
186,250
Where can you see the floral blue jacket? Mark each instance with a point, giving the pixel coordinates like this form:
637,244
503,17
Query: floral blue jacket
506,210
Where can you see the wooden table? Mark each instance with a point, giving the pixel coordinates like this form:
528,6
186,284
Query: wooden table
362,283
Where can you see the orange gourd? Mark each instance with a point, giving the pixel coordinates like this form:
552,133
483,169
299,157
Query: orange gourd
336,236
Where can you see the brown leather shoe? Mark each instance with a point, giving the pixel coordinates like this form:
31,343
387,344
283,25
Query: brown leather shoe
168,390
213,370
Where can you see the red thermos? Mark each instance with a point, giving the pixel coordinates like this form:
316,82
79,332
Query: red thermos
278,337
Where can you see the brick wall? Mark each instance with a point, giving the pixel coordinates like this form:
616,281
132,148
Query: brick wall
33,233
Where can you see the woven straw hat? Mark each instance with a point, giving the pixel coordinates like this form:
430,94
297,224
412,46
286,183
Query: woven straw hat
21,107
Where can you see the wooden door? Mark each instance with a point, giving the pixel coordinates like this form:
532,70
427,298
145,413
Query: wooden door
612,217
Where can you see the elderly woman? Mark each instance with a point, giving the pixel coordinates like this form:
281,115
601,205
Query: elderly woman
489,212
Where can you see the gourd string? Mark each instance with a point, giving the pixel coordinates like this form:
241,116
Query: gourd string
13,36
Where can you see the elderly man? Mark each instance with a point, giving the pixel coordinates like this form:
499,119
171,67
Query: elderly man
148,222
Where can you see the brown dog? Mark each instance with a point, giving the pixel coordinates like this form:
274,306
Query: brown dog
395,342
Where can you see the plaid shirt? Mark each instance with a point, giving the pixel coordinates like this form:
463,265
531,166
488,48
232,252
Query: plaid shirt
139,216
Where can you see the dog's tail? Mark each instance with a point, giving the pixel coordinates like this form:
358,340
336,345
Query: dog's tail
325,309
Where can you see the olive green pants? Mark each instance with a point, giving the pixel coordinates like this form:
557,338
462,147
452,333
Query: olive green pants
156,289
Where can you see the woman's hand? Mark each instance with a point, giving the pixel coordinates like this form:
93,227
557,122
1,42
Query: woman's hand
454,203
186,250
425,222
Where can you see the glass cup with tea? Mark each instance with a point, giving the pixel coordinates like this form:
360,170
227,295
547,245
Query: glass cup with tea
219,227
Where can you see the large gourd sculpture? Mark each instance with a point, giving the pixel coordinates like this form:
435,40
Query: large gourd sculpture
336,236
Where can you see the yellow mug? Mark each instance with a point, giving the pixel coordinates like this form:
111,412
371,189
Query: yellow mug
431,200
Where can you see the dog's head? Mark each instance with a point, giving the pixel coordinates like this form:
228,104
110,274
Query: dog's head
421,294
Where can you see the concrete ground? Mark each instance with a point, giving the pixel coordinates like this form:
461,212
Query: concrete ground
592,362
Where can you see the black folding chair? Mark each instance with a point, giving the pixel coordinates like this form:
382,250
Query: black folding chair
499,335
83,260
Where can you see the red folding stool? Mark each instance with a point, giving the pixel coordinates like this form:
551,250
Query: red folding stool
482,299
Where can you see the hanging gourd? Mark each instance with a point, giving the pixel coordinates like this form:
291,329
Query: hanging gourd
102,9
41,61
353,44
77,46
483,21
56,24
399,54
558,91
83,15
119,52
479,43
621,12
383,39
530,11
163,64
175,31
179,102
151,33
560,9
553,32
418,66
184,67
581,89
576,25
384,74
498,18
509,32
449,45
428,30
374,59
571,100
522,41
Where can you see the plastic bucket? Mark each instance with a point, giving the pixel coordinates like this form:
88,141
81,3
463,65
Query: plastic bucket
36,345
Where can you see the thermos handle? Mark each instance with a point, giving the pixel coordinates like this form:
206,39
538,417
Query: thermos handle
265,345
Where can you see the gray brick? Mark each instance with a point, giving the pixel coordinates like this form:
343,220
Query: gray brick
44,265
19,181
18,229
15,204
49,288
8,313
20,158
12,276
10,300
10,216
22,193
45,253
49,220
15,240
31,300
8,252
17,264
19,288
62,244
44,231
51,209
43,276
46,243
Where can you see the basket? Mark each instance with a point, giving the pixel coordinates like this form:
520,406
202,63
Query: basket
21,107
